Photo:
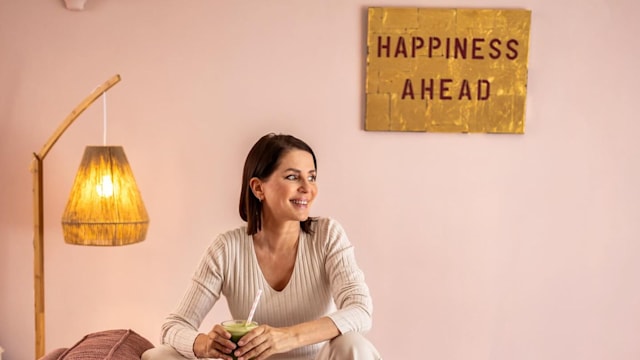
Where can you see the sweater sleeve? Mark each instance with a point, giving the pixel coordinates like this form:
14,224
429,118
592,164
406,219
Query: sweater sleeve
348,287
181,326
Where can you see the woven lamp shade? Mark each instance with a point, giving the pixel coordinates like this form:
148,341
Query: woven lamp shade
105,207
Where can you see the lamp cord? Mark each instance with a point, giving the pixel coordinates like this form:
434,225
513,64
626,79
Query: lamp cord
104,118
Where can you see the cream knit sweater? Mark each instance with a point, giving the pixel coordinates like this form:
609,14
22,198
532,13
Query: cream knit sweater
325,278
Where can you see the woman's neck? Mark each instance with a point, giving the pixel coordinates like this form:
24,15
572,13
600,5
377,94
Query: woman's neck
278,237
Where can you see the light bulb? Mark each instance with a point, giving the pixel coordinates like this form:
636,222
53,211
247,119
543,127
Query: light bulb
105,188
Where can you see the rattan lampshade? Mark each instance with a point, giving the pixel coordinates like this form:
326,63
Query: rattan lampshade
105,207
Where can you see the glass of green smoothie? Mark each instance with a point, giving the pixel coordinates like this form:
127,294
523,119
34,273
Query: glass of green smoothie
237,329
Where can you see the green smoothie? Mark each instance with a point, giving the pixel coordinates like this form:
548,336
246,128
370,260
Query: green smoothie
237,329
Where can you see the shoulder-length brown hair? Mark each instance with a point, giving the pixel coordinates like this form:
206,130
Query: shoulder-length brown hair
262,160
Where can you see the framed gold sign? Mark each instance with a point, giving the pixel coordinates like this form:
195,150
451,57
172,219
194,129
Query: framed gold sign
447,70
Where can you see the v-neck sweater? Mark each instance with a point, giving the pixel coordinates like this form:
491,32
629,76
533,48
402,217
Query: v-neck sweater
326,281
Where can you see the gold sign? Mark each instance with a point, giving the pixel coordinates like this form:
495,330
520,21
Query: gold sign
447,70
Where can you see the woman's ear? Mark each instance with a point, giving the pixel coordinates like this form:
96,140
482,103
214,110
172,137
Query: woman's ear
256,188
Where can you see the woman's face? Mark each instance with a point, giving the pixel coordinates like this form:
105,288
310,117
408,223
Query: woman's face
290,190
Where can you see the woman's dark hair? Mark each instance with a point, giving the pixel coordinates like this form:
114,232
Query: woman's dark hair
262,160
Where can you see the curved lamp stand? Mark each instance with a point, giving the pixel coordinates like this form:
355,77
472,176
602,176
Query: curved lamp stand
76,225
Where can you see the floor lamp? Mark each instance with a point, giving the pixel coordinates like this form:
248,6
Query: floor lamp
104,209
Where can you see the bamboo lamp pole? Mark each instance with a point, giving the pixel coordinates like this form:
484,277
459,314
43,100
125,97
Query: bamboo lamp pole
38,212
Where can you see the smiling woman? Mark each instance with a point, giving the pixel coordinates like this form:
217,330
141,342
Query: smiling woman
315,304
263,160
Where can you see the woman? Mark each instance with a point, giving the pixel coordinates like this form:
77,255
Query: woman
313,290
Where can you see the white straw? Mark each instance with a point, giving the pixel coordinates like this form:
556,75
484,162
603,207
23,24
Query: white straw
254,306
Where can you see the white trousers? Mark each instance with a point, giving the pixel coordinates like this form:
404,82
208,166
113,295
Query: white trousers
349,346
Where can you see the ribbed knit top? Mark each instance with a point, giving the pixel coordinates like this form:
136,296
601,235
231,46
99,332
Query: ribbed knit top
326,281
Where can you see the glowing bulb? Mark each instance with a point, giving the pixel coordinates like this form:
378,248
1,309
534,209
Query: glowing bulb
105,188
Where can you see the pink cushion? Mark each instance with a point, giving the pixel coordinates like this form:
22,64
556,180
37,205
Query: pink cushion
107,345
53,355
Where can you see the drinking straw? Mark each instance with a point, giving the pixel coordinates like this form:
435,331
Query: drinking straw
254,306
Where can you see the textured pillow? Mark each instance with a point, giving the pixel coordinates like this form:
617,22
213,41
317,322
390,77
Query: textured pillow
54,354
108,345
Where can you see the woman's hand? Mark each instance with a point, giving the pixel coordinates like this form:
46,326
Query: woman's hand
264,341
216,344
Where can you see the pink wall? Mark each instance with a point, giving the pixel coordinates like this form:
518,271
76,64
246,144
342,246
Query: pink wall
498,247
